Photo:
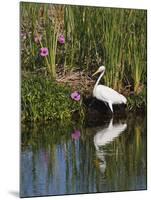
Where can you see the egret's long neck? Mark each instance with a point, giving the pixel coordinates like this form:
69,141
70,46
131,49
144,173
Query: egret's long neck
99,79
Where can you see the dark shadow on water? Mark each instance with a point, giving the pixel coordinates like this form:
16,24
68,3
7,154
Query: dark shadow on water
14,193
98,112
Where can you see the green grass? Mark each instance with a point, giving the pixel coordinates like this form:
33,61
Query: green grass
43,99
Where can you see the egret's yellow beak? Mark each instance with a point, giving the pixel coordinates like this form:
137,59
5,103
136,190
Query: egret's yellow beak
95,73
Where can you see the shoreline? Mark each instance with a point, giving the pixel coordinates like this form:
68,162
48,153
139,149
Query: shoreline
43,98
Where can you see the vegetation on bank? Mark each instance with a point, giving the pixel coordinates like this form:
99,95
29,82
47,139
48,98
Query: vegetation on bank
43,99
57,40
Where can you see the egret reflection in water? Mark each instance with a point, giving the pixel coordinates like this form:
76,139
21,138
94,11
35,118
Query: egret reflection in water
105,136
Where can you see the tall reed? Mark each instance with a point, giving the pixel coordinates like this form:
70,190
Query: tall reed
44,20
136,47
113,37
80,28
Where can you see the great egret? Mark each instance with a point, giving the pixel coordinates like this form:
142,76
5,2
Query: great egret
106,94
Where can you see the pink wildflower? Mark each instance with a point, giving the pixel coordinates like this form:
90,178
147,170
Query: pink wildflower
44,51
61,39
75,96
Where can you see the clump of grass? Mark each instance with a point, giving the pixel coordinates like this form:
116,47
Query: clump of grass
43,99
137,102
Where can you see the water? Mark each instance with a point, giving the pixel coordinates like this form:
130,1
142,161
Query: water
73,158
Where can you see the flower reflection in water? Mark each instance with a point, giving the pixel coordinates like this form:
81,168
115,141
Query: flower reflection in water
76,135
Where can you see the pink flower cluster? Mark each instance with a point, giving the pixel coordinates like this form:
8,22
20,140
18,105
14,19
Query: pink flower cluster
44,50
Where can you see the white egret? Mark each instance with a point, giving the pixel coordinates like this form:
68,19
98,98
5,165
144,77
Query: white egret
106,94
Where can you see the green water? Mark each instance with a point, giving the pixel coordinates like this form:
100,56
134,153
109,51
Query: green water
73,158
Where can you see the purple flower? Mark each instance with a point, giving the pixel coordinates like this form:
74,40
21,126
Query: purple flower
44,51
75,96
61,39
76,135
38,38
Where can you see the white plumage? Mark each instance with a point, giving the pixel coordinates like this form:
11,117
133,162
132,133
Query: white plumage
106,94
